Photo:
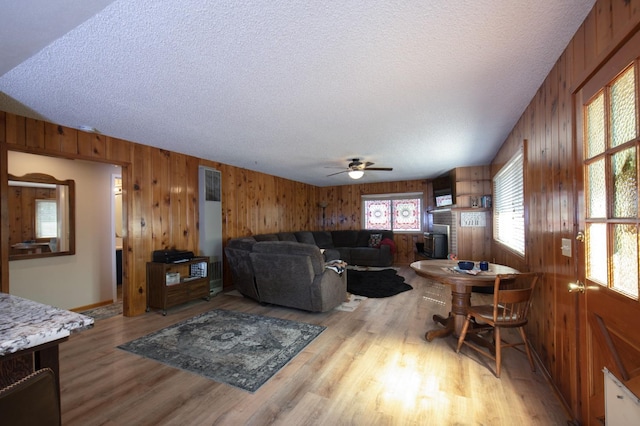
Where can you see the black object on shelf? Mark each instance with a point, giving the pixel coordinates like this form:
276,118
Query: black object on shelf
172,256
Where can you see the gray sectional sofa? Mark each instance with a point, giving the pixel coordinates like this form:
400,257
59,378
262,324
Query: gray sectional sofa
288,268
350,246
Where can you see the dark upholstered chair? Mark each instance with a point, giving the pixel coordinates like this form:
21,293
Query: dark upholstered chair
33,400
510,308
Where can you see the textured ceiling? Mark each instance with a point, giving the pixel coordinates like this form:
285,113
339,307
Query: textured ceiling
289,88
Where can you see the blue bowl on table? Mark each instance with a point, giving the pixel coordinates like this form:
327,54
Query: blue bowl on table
466,265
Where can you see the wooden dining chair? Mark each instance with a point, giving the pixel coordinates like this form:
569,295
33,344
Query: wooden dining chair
32,400
510,308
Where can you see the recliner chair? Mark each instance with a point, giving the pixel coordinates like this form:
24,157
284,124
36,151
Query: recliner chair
294,275
237,252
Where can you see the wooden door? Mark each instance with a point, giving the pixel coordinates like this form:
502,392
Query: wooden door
607,147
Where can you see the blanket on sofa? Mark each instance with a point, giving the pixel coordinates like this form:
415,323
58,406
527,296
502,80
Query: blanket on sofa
336,265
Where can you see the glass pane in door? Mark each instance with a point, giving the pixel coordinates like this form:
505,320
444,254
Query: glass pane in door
597,190
623,108
597,252
595,126
625,259
625,183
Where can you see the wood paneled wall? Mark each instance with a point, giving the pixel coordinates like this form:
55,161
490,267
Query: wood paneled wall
547,127
472,243
161,201
344,210
159,189
160,196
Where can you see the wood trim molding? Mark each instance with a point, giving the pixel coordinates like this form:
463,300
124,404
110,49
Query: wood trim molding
4,220
603,338
624,36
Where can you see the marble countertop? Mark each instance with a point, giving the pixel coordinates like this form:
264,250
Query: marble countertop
25,324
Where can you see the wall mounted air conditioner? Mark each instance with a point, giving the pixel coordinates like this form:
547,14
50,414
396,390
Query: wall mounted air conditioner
210,223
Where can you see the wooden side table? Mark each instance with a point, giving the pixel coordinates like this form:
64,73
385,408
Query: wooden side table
171,284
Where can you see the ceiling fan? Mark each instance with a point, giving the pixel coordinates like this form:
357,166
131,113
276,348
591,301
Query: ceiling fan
357,168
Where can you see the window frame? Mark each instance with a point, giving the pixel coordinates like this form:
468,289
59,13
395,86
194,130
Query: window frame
509,172
395,197
52,204
605,274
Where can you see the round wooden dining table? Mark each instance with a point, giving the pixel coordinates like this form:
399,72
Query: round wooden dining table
461,283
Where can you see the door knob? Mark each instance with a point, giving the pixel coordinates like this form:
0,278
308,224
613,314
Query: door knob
577,287
580,236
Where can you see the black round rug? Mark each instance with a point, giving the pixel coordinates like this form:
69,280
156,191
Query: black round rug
383,283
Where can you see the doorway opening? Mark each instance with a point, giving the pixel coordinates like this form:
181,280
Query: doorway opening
118,233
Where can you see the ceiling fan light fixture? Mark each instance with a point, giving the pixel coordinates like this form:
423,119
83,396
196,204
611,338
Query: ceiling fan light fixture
356,174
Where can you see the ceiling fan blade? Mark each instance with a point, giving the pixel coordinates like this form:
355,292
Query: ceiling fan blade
357,165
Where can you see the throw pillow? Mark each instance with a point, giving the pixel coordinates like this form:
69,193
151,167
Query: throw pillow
374,240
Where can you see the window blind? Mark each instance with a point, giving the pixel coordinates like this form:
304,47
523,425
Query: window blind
508,204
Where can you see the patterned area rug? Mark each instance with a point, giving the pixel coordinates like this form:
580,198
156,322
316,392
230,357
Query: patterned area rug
239,349
104,312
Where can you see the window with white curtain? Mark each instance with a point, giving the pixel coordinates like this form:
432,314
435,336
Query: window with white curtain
508,204
398,212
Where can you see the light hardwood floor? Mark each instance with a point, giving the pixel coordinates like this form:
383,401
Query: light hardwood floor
369,367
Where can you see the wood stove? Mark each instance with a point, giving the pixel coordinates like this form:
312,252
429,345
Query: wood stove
435,245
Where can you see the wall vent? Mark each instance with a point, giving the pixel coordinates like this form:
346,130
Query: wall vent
216,284
212,185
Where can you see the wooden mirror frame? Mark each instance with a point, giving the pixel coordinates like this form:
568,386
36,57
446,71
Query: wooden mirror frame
40,178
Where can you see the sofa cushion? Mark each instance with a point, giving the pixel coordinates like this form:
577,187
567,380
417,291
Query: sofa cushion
331,254
287,236
305,237
245,243
344,238
345,254
266,237
288,248
364,255
323,239
363,237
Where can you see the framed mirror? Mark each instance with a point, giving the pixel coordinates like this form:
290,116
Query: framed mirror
41,216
